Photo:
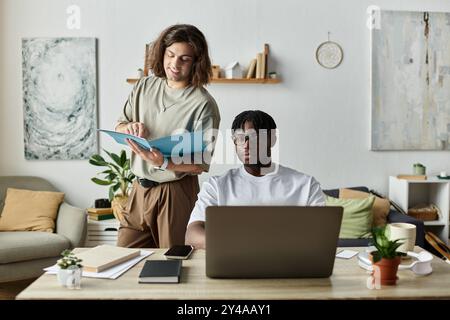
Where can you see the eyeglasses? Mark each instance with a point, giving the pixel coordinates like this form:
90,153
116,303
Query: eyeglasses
241,138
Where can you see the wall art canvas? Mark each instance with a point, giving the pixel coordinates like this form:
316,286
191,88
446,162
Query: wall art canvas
59,98
410,71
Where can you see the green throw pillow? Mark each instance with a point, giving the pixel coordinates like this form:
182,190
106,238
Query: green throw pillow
357,218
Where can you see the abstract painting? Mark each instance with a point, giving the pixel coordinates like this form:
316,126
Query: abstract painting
411,81
59,98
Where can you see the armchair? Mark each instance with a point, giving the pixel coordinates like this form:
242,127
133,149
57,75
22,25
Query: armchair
23,254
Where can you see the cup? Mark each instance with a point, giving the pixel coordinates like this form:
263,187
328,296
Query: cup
406,232
443,174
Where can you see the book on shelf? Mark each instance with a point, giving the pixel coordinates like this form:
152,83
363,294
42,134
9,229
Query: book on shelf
161,271
259,62
251,69
99,210
106,256
100,217
412,177
266,58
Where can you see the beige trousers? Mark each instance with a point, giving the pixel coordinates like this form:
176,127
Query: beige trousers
157,217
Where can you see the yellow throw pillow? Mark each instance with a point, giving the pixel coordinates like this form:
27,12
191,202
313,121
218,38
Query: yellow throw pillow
27,210
380,209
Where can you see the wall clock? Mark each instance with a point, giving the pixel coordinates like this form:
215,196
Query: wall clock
329,54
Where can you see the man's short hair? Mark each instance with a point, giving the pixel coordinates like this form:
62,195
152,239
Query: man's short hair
258,118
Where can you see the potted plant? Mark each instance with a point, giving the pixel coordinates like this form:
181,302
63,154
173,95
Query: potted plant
70,270
385,258
118,176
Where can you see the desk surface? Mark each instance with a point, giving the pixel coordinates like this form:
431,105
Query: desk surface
347,282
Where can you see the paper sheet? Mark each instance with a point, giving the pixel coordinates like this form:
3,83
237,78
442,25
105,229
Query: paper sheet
346,254
111,273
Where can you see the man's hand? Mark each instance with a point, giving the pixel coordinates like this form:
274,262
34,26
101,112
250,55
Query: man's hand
195,234
155,157
134,128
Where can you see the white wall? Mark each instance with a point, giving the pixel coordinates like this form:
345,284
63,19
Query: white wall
323,115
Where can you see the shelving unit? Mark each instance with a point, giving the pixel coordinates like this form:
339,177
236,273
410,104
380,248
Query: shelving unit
408,193
231,81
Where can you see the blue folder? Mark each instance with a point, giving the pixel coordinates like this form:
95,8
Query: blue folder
170,146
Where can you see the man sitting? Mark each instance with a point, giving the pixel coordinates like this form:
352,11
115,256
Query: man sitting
258,182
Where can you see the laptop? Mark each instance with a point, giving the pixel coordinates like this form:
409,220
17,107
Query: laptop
271,241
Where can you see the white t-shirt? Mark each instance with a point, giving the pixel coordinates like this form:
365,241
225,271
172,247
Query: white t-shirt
237,187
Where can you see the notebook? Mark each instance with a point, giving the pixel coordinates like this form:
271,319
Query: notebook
161,271
170,146
105,256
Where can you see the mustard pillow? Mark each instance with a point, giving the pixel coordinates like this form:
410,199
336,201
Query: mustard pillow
380,209
27,210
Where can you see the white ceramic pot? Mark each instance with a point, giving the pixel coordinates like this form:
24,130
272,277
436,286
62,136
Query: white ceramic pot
70,278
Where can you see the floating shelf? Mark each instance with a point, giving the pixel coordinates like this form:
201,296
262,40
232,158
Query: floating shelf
436,223
236,81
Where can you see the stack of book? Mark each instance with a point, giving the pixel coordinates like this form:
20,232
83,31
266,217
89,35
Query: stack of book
105,256
412,176
258,67
100,213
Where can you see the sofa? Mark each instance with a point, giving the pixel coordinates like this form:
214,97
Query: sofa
23,254
393,217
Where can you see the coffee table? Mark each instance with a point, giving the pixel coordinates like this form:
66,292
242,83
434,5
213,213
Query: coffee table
347,282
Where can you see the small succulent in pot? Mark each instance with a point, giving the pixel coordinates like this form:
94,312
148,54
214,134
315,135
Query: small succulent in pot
69,260
70,270
386,258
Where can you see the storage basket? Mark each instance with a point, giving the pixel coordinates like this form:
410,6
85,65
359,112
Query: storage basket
424,212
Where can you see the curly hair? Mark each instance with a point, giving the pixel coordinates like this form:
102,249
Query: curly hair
201,66
258,118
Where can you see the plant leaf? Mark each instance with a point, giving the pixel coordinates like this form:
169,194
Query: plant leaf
101,182
114,156
97,163
123,158
111,194
116,187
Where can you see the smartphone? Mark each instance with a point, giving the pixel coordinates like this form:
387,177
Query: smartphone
179,252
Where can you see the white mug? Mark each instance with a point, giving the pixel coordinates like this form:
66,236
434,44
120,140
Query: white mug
404,231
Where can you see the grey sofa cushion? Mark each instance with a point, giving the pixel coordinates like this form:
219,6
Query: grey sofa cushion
29,245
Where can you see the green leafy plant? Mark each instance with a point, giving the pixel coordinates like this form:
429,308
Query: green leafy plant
69,260
385,248
118,175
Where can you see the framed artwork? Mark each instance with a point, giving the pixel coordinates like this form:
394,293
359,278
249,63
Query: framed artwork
410,81
59,98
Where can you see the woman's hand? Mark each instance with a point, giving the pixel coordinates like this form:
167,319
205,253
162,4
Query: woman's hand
137,129
155,157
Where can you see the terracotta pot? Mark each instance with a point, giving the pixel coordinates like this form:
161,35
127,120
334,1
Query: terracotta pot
387,270
118,204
